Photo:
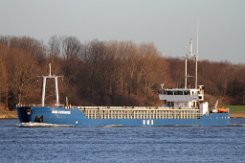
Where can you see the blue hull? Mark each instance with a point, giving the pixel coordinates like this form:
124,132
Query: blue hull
74,117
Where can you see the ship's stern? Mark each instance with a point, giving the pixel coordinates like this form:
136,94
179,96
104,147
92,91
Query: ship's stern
215,119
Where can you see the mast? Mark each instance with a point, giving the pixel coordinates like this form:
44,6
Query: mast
196,55
190,53
186,71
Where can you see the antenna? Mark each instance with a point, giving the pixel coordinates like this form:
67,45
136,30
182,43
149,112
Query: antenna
190,47
196,55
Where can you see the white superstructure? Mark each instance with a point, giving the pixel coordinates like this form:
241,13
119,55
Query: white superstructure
182,98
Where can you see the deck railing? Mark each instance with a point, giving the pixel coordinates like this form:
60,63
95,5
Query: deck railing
101,112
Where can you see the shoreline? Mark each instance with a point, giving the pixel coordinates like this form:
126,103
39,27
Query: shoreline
237,115
13,114
8,114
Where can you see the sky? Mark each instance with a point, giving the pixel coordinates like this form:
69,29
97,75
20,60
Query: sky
168,24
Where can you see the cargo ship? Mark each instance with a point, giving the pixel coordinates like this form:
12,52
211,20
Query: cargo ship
181,107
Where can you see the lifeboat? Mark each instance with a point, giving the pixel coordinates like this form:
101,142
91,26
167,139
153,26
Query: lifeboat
222,110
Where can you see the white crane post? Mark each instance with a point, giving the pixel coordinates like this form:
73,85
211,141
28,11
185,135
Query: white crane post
50,76
50,69
43,91
56,91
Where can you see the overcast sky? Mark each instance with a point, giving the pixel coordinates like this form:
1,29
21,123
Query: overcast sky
169,24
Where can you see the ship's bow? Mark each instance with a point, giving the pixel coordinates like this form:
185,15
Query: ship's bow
24,113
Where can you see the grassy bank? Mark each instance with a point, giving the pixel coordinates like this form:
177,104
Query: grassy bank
237,111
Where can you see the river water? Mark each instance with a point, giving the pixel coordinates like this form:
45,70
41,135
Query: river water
122,144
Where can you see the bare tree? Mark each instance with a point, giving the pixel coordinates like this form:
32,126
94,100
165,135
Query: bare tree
3,76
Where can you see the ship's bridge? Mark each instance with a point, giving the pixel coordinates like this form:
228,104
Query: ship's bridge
181,97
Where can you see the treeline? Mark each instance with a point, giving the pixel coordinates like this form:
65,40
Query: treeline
104,72
223,81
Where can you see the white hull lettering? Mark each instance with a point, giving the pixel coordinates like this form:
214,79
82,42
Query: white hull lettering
60,112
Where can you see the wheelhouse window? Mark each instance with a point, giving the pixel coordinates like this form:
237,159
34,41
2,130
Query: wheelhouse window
180,92
169,93
186,92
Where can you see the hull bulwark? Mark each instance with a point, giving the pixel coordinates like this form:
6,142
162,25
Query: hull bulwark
75,117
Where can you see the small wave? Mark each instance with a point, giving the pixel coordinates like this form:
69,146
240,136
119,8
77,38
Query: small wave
113,125
237,125
35,124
